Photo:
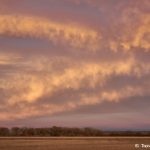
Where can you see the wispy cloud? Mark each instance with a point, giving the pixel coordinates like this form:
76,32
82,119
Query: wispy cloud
59,33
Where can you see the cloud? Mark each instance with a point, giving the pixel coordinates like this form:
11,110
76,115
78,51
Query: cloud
8,58
123,34
128,23
136,31
39,79
34,27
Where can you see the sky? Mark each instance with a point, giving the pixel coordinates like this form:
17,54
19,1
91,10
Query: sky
75,63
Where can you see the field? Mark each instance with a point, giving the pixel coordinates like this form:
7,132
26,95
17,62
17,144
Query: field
77,143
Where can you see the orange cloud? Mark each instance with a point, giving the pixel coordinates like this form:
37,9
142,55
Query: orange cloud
71,34
10,58
26,88
136,32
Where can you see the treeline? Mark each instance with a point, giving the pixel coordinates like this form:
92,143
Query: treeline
64,131
51,131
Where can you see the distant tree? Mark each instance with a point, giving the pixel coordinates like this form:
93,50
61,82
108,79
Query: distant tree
15,131
4,131
92,132
26,131
55,131
42,131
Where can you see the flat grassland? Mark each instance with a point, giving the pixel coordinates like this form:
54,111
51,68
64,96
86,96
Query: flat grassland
73,143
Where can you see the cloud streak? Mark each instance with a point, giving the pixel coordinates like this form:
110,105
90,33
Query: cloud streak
23,26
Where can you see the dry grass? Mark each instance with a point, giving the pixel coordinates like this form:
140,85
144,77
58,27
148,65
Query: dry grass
103,143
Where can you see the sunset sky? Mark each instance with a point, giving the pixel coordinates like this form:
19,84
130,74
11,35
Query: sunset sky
75,63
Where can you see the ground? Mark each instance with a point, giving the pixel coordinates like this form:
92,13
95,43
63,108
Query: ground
77,143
